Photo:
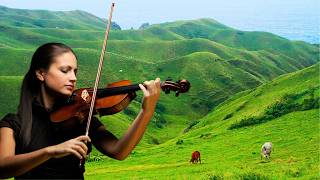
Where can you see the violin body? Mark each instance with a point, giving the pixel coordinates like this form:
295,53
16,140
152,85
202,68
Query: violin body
76,107
110,100
113,104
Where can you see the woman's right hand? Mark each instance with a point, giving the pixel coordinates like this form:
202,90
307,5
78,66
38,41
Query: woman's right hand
74,146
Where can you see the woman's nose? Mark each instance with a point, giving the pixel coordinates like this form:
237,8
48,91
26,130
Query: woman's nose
73,77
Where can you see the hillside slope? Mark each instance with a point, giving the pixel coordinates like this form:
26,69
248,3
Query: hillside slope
219,61
235,154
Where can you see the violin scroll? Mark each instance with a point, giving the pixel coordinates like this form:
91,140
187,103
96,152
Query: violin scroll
180,86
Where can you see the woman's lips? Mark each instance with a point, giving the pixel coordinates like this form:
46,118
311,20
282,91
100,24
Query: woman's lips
70,87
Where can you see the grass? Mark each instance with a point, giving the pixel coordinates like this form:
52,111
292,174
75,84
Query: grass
233,154
218,61
9,85
293,156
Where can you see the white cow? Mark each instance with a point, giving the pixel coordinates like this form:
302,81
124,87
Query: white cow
266,150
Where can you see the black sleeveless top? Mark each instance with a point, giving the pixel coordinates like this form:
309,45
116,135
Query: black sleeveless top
43,134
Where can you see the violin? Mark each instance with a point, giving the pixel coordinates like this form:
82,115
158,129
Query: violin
110,100
85,102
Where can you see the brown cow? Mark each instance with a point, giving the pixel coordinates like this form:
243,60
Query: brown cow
195,157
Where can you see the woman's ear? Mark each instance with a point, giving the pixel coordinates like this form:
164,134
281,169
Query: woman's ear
40,75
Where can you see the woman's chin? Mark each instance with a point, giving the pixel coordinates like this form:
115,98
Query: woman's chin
66,93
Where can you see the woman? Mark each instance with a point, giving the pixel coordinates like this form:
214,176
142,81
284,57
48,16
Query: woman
32,147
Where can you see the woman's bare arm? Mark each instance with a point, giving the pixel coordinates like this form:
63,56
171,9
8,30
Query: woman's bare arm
15,165
120,149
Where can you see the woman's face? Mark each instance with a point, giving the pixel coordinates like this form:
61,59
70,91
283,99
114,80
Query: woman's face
61,76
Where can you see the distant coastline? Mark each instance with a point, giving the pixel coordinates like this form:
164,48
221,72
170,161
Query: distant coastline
307,35
294,27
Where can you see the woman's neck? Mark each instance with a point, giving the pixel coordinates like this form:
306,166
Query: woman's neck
45,98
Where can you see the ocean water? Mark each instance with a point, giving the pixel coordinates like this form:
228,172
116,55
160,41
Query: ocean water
291,19
293,28
295,20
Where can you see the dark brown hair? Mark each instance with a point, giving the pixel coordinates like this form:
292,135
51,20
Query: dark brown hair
41,59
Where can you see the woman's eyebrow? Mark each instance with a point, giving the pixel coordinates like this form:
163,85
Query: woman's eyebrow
68,67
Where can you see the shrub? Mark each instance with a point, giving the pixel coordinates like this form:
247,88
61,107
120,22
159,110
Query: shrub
312,103
250,176
179,142
155,140
160,107
228,116
281,108
160,121
284,106
247,122
215,177
94,158
193,123
129,112
205,135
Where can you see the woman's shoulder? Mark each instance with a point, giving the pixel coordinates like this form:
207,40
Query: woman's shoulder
10,117
11,120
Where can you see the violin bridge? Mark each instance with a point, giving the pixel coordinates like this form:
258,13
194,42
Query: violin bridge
85,96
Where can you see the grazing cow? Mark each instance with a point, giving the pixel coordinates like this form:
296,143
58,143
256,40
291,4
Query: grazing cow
266,150
195,157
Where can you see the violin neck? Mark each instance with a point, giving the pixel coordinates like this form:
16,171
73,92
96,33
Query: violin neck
110,91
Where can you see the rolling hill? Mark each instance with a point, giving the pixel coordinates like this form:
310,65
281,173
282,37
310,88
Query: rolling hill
235,153
219,61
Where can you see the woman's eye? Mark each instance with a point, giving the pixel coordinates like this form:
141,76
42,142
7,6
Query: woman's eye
64,71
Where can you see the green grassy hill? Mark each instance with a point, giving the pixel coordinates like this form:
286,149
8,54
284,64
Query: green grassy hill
43,18
253,41
219,61
10,87
235,153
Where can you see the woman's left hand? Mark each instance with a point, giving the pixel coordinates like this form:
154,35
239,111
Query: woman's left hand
151,91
